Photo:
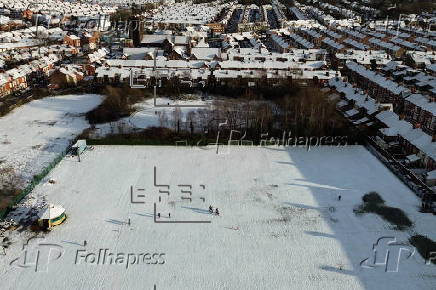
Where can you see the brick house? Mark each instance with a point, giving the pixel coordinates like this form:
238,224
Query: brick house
72,40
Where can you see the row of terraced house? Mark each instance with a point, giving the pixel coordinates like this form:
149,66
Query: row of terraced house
401,101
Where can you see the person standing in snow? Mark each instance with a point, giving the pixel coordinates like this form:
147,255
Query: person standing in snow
217,212
339,197
210,209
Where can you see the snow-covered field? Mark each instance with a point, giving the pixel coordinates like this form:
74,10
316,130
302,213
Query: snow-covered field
281,224
32,135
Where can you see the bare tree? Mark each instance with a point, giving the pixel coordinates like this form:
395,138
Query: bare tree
163,119
177,118
191,120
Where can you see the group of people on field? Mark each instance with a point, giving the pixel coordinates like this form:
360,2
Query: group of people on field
211,210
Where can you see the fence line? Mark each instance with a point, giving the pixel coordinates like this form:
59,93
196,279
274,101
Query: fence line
400,170
35,181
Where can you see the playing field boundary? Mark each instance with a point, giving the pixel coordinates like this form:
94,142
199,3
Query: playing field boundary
35,181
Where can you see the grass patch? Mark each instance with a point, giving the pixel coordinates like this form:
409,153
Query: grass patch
162,136
151,136
373,203
424,246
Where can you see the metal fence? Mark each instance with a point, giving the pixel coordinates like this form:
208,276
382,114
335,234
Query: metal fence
34,182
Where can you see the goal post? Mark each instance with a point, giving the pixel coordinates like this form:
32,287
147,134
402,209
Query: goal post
182,143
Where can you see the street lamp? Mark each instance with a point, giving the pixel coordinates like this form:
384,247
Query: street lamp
399,21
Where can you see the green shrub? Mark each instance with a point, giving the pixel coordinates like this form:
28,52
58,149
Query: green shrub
373,203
